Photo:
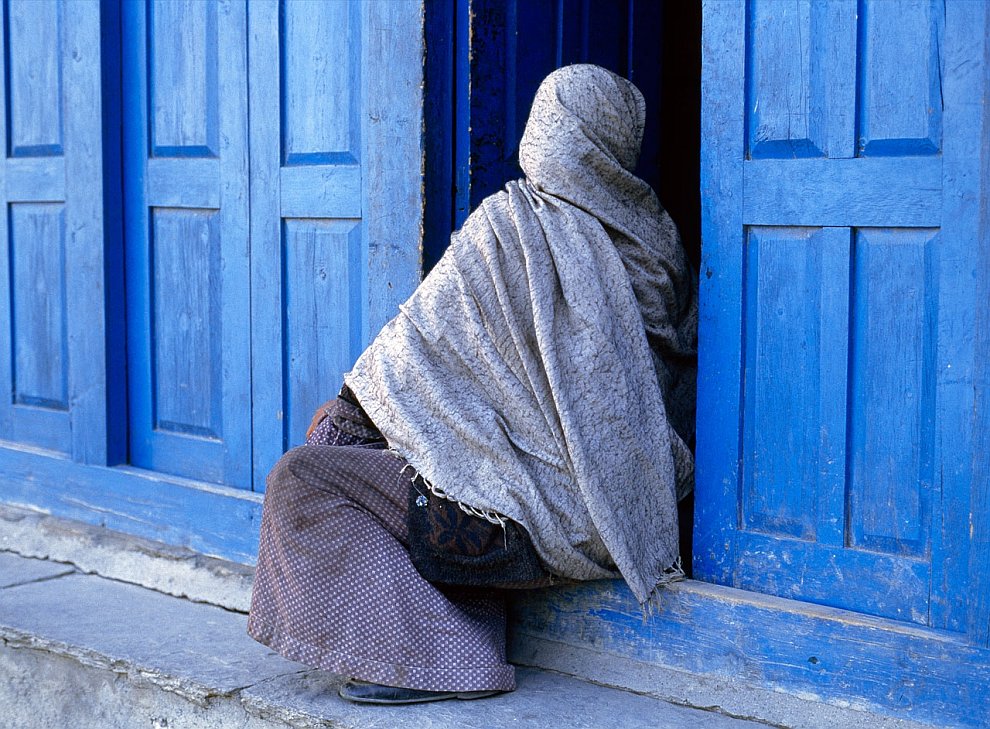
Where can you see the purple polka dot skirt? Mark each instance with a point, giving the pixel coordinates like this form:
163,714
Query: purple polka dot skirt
335,588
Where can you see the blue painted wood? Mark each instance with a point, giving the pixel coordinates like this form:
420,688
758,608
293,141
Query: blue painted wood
96,416
336,199
837,192
393,154
35,179
891,393
717,465
35,360
211,519
830,483
185,176
789,85
796,311
53,367
320,80
185,320
747,639
321,274
37,273
900,113
34,71
963,350
185,173
182,66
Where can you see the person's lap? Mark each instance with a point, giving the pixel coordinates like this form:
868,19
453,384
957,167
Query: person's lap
336,589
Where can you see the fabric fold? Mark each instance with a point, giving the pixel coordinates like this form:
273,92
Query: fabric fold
527,374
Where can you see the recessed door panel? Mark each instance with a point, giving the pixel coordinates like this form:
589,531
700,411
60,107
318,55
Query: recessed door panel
186,238
835,391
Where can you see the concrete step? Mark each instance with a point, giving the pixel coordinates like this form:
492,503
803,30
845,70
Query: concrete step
79,650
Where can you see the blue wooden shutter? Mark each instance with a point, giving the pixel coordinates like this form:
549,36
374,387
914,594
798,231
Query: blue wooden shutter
52,363
841,158
186,218
335,100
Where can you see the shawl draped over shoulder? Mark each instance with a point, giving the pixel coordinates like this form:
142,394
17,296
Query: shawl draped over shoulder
544,369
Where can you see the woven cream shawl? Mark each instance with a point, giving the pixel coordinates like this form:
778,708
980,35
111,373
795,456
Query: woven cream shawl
524,376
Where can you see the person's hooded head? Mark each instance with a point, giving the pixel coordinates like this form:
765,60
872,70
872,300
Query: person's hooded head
585,126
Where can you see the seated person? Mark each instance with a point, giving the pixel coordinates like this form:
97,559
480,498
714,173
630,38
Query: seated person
524,420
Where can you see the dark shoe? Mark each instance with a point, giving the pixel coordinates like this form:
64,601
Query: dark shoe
362,692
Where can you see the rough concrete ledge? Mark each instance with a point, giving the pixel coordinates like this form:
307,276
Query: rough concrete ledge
84,651
95,550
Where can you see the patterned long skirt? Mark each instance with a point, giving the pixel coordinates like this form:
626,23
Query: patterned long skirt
335,588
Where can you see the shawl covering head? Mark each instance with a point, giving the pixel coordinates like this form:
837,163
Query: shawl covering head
532,371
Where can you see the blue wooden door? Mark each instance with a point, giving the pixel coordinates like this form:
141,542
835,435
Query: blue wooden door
52,325
336,203
186,237
841,159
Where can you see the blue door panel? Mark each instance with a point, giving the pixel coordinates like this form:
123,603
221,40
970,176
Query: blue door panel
187,394
829,323
321,275
335,198
892,391
900,79
37,273
35,364
34,71
185,178
795,312
52,361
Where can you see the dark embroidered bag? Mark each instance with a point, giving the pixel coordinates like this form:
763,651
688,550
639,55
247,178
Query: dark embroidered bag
448,546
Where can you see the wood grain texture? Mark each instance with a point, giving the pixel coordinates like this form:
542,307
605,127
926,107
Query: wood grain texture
182,70
36,179
34,60
321,82
894,305
900,96
37,245
720,326
269,439
86,243
799,103
393,157
322,314
963,354
843,192
797,291
186,233
186,288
